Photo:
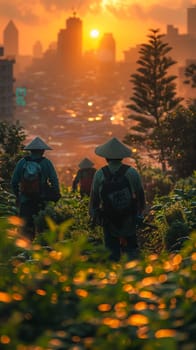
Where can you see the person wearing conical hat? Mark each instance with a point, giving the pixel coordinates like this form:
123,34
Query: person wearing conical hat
120,227
32,196
84,177
37,144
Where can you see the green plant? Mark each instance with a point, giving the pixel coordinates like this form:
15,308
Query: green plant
60,299
174,215
7,203
70,206
156,183
12,136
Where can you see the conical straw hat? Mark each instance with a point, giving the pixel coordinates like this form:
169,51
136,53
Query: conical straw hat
37,144
85,163
113,149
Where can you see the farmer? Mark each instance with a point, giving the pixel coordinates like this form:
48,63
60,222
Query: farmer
119,224
34,182
84,177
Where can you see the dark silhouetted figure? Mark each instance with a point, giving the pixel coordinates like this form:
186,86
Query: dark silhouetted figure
117,199
34,182
84,177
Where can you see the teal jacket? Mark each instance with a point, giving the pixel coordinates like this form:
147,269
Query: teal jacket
49,175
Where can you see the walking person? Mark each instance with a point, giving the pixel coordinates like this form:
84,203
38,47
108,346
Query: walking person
116,199
34,182
84,177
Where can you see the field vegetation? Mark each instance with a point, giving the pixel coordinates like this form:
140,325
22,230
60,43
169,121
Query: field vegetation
61,292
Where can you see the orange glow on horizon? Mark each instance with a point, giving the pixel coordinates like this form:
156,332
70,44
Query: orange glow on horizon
117,17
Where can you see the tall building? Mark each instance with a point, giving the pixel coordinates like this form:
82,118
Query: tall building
107,49
183,45
7,103
191,21
69,45
37,49
11,40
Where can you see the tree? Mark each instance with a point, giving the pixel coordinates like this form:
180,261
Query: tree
154,94
190,73
11,143
178,135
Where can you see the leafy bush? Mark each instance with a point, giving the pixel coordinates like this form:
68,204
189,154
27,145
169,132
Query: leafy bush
70,206
156,183
174,215
12,136
7,203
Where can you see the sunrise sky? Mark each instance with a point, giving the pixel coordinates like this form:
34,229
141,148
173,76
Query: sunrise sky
128,20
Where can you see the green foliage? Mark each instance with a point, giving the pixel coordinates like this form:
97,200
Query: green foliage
11,143
190,73
8,248
59,299
7,203
65,294
70,206
174,215
178,131
156,183
153,93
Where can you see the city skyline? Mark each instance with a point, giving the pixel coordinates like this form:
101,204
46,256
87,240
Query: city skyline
42,19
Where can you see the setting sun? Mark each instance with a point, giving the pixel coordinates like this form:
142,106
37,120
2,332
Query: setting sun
94,33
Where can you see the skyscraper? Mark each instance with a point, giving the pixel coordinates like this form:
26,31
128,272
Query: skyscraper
107,49
69,44
37,49
191,21
10,40
6,87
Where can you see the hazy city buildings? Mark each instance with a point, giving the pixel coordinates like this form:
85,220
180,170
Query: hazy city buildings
183,50
69,45
183,45
37,49
107,49
191,21
7,101
11,40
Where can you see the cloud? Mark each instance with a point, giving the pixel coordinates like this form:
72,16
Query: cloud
28,11
17,11
80,6
162,13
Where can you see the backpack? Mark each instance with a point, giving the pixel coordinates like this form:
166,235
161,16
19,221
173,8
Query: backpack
118,201
86,178
30,184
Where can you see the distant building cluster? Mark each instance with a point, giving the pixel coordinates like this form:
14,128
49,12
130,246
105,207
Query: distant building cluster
183,45
69,45
6,86
70,56
66,56
10,40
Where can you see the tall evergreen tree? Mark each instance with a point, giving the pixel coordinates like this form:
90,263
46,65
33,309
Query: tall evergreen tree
190,73
154,94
